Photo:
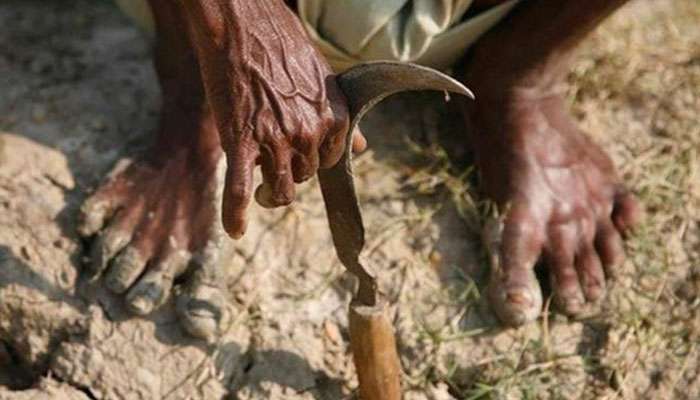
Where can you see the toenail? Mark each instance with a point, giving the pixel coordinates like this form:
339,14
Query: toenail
515,306
198,321
141,305
203,309
520,298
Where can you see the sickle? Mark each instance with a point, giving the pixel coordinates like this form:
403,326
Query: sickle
371,335
364,86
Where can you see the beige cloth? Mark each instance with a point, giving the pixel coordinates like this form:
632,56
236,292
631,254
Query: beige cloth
428,32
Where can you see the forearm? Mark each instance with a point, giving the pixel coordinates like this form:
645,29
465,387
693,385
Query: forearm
539,36
235,25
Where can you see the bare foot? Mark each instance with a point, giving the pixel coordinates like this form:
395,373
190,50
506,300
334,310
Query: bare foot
563,203
153,219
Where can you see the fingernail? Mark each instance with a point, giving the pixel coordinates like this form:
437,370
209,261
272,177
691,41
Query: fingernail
263,195
237,233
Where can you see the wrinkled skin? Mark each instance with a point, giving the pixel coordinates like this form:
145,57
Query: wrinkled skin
273,97
260,92
562,201
240,78
563,204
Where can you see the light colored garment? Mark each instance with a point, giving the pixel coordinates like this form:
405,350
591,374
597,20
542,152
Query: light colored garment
428,32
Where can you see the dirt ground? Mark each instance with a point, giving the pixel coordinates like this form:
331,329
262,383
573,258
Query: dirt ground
77,92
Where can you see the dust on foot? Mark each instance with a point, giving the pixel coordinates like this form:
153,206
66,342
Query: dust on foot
153,222
561,201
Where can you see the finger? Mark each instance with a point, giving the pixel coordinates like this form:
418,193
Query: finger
359,143
305,161
590,273
277,188
608,244
302,169
333,145
559,257
627,212
238,188
332,149
514,292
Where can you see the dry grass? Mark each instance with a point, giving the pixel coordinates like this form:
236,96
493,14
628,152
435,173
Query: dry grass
634,88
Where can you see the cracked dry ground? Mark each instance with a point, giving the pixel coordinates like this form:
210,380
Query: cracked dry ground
77,92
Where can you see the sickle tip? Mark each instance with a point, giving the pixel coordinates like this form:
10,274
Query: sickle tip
367,84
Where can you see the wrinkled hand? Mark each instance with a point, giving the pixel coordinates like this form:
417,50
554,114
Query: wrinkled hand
275,100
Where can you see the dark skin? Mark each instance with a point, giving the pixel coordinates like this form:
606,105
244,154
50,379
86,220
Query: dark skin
565,203
261,94
136,225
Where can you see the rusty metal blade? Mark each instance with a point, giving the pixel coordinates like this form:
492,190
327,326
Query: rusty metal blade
364,86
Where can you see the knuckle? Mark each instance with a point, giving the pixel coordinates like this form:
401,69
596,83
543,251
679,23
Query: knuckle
307,144
303,140
303,168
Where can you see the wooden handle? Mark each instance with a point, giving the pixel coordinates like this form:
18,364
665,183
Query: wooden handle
374,352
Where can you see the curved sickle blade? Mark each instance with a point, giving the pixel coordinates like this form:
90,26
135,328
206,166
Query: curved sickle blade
367,84
364,86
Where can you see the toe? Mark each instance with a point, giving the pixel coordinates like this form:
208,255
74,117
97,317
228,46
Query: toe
125,270
513,292
591,274
152,290
113,239
559,256
608,244
94,214
568,296
516,299
627,212
102,205
105,247
202,308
